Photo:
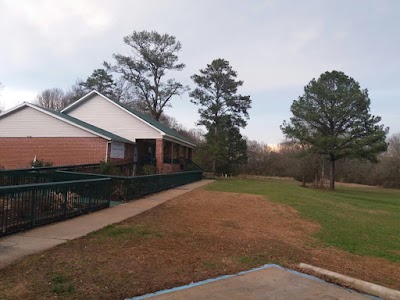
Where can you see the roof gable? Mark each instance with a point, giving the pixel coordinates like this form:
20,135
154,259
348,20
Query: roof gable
70,120
164,130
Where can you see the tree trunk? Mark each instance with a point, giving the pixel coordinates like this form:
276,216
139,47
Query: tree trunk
316,178
332,177
214,158
213,167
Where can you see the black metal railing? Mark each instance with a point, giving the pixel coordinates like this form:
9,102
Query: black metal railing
130,188
191,163
32,176
168,160
32,197
125,188
49,174
30,205
40,174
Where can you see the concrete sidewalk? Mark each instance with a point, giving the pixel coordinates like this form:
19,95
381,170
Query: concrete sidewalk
267,282
19,245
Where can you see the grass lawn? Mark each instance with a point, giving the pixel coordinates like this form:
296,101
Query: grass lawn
360,220
211,232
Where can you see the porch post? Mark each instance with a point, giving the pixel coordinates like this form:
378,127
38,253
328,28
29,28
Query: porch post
159,154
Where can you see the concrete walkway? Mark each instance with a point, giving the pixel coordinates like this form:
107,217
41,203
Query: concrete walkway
19,245
267,282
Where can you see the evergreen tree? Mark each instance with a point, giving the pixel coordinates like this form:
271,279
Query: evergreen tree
100,81
333,116
223,112
153,56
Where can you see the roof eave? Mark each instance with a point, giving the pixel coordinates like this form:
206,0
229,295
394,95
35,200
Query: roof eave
79,100
182,141
13,109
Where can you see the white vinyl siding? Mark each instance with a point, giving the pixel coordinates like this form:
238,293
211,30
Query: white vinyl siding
108,116
29,122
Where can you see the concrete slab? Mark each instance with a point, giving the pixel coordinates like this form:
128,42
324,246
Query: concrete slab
19,245
268,282
15,247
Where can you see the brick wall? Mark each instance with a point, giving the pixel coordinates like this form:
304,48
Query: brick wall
19,152
170,168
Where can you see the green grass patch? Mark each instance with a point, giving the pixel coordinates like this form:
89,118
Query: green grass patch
253,260
364,221
122,231
210,265
61,285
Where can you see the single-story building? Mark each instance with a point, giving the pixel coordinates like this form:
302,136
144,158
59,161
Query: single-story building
92,129
28,131
155,143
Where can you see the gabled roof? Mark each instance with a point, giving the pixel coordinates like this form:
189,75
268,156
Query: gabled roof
163,129
70,120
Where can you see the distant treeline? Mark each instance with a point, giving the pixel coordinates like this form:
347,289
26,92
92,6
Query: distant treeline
291,160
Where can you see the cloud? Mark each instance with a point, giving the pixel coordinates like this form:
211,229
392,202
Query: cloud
273,45
10,97
270,43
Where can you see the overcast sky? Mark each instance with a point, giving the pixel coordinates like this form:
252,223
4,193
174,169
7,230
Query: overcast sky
276,47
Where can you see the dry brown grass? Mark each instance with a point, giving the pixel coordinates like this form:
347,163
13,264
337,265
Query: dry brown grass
199,235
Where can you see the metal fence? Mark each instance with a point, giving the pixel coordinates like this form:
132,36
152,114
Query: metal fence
37,196
49,174
32,176
30,205
130,188
41,174
125,188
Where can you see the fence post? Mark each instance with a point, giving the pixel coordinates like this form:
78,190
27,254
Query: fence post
33,208
90,201
65,194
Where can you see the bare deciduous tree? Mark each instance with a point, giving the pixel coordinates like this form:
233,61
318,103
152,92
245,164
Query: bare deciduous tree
57,99
51,98
75,92
390,161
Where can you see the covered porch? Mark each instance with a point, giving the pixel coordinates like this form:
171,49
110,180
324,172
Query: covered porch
166,155
173,156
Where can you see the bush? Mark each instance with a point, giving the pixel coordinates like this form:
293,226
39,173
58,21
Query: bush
38,163
149,170
107,168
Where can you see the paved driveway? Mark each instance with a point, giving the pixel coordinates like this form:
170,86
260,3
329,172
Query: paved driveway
267,282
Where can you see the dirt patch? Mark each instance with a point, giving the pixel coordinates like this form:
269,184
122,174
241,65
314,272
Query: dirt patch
356,185
246,176
378,212
199,235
